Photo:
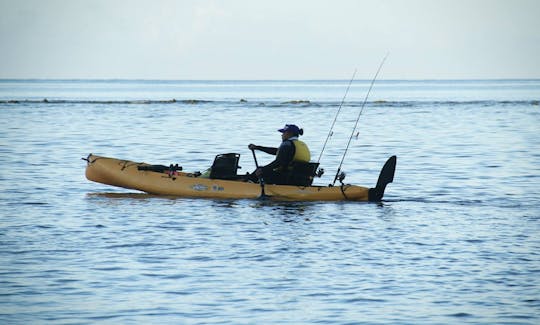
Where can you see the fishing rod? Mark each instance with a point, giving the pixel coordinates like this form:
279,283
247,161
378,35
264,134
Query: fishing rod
335,118
342,176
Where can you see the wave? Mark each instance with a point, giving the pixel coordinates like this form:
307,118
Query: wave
97,101
271,103
482,103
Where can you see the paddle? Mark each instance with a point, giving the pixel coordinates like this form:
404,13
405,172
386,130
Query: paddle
261,179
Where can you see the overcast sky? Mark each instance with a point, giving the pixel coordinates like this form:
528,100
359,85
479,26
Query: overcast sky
275,39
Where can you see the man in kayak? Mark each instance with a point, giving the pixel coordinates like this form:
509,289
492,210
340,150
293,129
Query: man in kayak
290,151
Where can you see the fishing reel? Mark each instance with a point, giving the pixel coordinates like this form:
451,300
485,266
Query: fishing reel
320,172
341,177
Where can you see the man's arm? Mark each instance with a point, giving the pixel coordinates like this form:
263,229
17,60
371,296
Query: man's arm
268,150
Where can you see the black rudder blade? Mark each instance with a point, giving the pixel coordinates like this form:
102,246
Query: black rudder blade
385,177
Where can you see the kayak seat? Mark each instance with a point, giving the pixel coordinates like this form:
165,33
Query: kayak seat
225,166
302,174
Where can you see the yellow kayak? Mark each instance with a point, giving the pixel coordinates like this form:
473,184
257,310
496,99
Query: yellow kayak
157,179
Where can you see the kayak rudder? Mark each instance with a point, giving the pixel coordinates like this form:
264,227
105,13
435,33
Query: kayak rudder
385,177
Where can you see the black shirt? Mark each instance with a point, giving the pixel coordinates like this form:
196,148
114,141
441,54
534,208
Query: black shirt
284,155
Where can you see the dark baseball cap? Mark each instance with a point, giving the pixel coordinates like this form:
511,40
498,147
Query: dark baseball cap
290,128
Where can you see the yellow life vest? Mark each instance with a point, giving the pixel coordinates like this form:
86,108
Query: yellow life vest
301,153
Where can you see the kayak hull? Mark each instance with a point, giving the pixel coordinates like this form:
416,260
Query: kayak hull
127,174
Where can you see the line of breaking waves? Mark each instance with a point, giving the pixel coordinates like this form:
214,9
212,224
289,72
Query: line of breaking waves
272,103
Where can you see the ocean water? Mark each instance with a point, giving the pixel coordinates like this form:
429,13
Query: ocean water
456,239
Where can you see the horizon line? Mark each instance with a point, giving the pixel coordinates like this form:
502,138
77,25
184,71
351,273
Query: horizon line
263,80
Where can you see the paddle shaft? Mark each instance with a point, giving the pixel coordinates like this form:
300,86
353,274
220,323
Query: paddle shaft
261,179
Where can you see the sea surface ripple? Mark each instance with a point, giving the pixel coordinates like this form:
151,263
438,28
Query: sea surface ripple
455,241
